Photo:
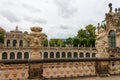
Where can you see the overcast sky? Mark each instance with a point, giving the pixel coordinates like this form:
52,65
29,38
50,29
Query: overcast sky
58,18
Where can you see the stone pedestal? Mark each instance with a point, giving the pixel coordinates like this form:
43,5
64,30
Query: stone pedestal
35,54
102,67
35,71
102,55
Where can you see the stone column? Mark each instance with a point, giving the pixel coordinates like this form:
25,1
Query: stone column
118,39
5,42
11,43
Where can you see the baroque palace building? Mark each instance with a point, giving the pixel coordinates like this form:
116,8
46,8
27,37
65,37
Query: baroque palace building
70,61
17,47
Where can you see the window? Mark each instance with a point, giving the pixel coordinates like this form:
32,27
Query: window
112,39
51,55
14,43
8,43
87,54
75,55
26,55
4,55
81,54
57,55
69,55
63,55
19,55
12,55
93,55
45,54
21,43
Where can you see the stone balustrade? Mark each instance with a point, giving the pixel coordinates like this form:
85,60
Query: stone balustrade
58,69
13,72
69,69
114,67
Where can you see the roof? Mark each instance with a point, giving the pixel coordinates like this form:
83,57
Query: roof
16,30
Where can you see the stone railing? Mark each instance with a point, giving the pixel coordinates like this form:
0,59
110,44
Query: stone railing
69,69
13,72
60,68
114,67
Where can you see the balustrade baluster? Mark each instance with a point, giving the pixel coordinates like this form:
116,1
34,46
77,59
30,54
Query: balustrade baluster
7,73
23,73
15,73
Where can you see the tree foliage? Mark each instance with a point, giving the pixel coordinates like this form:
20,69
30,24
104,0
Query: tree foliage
2,37
68,40
87,36
75,41
45,43
90,30
60,42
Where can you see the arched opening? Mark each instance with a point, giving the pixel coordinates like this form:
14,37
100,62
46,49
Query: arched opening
4,55
112,39
63,55
8,43
69,55
57,55
12,55
26,55
21,43
75,55
19,55
45,54
14,43
51,55
93,54
81,54
87,54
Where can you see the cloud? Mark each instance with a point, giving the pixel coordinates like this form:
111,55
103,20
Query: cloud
10,16
63,27
65,8
58,18
30,8
35,20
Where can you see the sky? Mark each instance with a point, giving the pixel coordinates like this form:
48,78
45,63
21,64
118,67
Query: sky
58,18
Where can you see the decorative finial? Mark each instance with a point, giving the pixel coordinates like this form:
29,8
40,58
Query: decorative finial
110,6
16,27
98,24
118,9
98,27
115,10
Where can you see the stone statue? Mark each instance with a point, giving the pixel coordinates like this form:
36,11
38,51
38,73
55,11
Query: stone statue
101,43
35,37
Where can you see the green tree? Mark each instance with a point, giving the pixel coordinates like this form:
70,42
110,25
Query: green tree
87,36
2,37
52,42
83,42
82,33
45,43
60,42
75,41
91,42
25,32
90,30
68,40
